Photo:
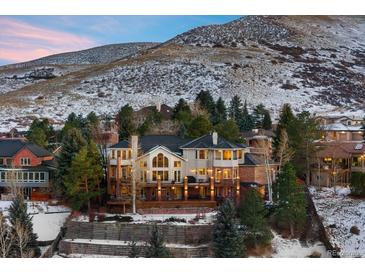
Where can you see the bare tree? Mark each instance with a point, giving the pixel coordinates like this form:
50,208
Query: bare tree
284,153
22,240
6,238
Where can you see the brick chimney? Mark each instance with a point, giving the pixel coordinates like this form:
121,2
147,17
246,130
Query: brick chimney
215,138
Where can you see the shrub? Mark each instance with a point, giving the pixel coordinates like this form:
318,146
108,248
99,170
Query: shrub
122,219
357,184
175,220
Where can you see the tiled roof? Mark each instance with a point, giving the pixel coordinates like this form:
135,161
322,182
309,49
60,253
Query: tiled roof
206,141
9,147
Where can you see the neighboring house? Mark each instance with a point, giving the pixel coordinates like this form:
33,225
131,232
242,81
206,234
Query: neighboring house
341,151
25,167
174,172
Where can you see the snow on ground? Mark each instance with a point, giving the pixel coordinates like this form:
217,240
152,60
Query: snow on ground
293,248
340,212
47,220
191,219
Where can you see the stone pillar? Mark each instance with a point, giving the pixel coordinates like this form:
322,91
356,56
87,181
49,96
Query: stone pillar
212,189
159,188
186,194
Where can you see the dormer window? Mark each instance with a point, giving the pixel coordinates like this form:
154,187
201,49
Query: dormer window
25,161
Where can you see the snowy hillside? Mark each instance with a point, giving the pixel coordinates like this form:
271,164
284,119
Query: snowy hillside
313,63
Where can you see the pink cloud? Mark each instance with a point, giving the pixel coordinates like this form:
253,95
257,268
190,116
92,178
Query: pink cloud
20,41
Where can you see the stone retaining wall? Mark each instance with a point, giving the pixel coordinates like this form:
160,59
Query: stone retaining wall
177,234
69,247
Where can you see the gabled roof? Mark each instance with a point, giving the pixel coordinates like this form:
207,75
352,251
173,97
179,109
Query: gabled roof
163,148
9,147
206,141
148,142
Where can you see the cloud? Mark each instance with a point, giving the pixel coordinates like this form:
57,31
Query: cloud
20,41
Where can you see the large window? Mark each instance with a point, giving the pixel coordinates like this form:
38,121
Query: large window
202,154
177,163
160,161
240,154
227,173
227,155
201,171
23,176
218,154
177,175
218,175
160,175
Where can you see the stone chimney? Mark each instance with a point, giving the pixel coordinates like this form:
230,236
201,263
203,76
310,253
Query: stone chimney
215,138
134,146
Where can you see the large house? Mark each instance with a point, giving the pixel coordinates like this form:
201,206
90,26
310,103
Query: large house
173,171
340,152
25,167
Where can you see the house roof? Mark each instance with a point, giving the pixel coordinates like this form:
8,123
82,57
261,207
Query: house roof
206,141
253,159
165,111
341,127
340,149
9,147
149,142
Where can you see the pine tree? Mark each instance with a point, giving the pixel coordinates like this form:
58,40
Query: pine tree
72,142
156,247
227,238
220,112
258,115
289,196
205,100
199,126
181,106
266,122
235,109
40,132
83,179
125,122
253,217
20,220
363,129
247,122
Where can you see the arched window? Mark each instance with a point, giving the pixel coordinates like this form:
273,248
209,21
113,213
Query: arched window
160,161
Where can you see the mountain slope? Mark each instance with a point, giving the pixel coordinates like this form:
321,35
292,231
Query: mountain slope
314,63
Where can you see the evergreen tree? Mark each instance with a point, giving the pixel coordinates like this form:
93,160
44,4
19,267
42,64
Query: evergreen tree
363,129
77,122
40,132
227,238
229,130
199,126
156,247
253,217
83,179
235,109
71,145
21,220
258,115
205,100
285,119
247,122
303,130
125,122
181,106
220,114
37,136
266,122
289,196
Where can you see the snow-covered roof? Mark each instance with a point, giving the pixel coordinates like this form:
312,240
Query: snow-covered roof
341,127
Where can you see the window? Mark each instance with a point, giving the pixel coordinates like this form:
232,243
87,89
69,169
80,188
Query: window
9,162
202,154
160,161
227,155
227,173
218,154
25,161
118,153
129,154
143,176
235,155
113,154
126,172
201,171
143,164
1,161
177,163
240,154
177,175
218,174
124,155
160,174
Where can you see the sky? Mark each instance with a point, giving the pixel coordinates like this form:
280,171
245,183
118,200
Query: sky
24,38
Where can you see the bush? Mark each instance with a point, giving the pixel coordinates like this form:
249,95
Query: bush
358,184
175,220
122,219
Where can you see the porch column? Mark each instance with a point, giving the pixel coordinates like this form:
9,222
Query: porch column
238,190
212,188
185,188
159,188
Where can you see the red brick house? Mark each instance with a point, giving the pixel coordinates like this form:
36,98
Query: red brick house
26,167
